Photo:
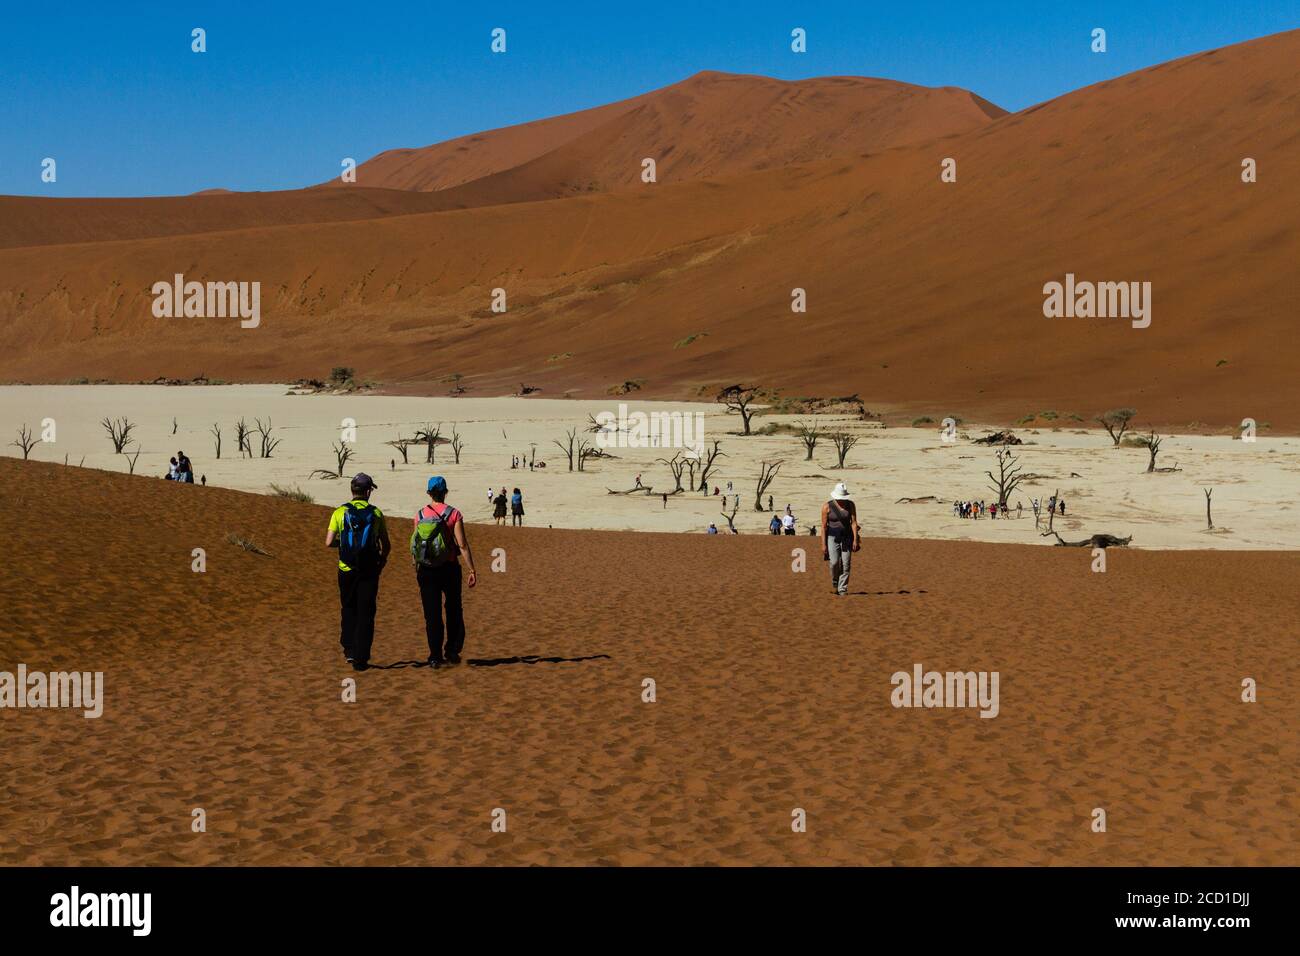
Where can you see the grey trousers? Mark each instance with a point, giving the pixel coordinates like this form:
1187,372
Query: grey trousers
841,555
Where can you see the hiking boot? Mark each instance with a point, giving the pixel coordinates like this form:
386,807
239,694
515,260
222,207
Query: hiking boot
360,666
453,658
435,662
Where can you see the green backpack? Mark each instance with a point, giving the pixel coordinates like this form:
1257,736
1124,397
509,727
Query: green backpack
431,542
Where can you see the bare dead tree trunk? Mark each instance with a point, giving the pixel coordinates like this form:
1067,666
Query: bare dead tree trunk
738,398
766,472
25,441
1008,477
216,434
457,443
843,443
132,459
678,467
710,458
1209,521
1152,442
731,518
809,435
119,432
567,446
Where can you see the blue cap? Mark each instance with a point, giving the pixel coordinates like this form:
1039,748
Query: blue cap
437,483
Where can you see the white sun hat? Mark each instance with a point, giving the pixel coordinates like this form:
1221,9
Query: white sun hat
841,492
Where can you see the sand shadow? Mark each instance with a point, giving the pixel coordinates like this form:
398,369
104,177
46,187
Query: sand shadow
494,661
532,659
885,593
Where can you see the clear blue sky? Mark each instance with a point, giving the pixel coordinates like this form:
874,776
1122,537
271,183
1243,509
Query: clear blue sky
287,89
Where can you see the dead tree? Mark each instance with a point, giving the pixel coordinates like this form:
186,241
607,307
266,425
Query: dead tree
132,459
1152,444
119,432
343,454
586,450
456,387
264,430
25,441
677,465
1008,477
707,463
244,436
1116,422
457,443
403,445
809,435
843,443
431,436
739,398
1102,541
569,445
174,426
216,435
766,472
731,518
1209,521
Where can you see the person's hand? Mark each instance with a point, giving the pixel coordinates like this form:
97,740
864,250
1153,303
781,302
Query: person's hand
473,578
857,545
826,554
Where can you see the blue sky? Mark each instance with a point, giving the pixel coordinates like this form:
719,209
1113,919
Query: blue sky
113,92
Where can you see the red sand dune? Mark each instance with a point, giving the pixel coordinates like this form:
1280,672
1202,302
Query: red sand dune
708,126
923,296
1117,690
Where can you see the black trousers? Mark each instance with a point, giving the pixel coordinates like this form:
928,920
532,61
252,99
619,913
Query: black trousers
438,585
358,601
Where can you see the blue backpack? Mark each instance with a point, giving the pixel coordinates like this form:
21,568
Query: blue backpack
358,544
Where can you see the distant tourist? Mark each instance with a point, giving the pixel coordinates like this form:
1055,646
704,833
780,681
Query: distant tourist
203,479
357,529
499,507
173,473
787,523
184,470
638,480
713,528
517,508
774,526
840,536
665,501
438,543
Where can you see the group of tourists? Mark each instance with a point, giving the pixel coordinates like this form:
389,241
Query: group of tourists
180,469
438,546
979,509
499,499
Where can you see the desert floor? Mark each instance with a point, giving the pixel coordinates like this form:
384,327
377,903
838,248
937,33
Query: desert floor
1106,489
1119,690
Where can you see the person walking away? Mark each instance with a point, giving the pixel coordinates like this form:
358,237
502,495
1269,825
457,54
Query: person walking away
665,501
499,508
357,529
774,526
841,536
438,543
638,480
517,508
787,523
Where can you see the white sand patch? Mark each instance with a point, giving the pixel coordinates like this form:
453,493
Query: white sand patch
1255,483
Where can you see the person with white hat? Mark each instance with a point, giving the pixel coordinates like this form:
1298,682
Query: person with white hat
840,536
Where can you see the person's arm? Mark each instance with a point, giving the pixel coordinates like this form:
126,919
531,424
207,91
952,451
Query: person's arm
853,519
331,535
462,542
826,548
385,547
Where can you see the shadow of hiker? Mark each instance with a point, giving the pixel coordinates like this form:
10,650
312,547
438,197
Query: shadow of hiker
495,661
880,593
532,659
